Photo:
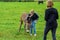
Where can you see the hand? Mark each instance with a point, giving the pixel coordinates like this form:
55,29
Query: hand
31,15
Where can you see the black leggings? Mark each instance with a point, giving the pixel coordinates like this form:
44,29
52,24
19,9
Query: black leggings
53,30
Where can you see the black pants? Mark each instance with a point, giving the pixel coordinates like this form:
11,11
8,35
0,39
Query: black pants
40,2
53,30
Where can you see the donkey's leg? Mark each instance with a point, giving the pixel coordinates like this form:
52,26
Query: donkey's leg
28,27
20,25
25,26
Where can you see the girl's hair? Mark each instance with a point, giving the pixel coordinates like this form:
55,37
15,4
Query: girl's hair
49,3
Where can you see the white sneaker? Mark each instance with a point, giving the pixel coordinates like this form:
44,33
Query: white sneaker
34,34
30,34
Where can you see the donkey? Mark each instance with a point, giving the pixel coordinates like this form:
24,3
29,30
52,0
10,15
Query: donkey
23,19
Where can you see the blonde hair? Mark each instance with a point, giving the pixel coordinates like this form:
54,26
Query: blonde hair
49,3
32,10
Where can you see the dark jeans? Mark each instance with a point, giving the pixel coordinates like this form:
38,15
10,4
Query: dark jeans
53,30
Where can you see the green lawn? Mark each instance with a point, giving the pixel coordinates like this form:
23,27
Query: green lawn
10,13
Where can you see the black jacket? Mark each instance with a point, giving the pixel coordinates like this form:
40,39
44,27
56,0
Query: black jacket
51,14
34,17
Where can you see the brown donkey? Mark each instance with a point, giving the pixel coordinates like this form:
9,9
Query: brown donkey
23,19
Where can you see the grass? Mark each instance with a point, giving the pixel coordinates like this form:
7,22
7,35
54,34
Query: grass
10,13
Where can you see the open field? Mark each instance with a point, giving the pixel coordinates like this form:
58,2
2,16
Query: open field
10,13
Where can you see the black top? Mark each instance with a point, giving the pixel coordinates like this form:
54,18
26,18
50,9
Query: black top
51,14
34,17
